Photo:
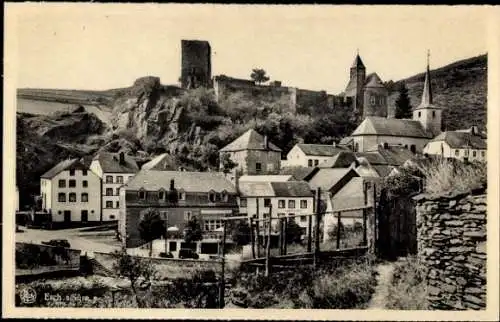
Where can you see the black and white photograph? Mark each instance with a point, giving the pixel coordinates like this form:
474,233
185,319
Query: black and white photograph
242,157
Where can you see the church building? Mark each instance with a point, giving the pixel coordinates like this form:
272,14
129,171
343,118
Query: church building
368,93
412,134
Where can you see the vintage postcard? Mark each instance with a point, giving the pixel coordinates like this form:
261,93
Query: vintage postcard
251,161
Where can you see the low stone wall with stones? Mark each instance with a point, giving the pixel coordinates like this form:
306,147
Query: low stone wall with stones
451,234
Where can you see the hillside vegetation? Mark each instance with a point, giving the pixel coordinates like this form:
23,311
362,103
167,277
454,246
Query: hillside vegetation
460,88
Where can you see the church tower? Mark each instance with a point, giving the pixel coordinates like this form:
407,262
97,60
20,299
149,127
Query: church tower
428,114
355,87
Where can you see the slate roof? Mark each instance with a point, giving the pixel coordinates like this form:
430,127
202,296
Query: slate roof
299,173
63,166
326,150
357,63
266,178
110,163
373,80
343,159
163,161
250,140
326,179
152,180
375,125
275,189
395,155
346,141
461,140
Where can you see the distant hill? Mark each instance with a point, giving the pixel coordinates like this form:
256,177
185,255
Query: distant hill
460,88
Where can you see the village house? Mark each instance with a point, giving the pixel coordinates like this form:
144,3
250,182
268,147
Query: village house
466,145
178,196
164,161
283,198
71,193
413,134
253,154
310,155
341,189
114,169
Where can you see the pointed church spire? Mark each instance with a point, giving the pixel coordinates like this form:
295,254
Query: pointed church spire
427,94
358,63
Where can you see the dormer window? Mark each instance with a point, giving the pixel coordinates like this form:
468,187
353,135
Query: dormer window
211,196
161,194
142,194
224,195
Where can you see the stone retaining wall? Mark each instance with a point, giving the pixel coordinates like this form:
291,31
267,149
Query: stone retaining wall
451,232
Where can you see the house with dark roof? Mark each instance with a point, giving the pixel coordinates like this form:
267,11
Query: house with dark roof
466,145
71,193
412,134
311,155
253,153
114,169
285,199
178,196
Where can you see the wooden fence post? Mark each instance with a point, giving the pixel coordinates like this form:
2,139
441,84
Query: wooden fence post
285,232
223,263
339,222
252,238
280,225
258,228
268,244
316,228
365,194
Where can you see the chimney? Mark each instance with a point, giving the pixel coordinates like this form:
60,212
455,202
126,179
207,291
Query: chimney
122,158
266,144
474,130
172,185
334,144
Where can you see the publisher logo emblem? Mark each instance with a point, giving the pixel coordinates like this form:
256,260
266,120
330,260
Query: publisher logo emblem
27,295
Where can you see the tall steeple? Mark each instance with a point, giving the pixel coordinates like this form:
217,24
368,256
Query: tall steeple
427,93
428,114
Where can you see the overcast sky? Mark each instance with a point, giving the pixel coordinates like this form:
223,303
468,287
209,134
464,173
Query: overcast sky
102,46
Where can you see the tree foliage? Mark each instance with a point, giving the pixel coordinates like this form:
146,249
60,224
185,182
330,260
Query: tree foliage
151,227
137,271
259,75
193,231
241,233
403,106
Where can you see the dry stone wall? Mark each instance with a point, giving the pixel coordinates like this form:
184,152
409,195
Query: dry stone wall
451,232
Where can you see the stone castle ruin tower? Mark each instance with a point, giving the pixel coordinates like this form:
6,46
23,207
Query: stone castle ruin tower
196,65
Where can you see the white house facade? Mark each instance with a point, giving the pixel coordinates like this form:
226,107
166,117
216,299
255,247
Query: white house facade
310,155
115,170
71,193
466,146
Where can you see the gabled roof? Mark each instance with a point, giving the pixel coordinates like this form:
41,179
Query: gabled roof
394,155
266,178
71,164
461,140
375,125
163,161
250,140
297,172
110,163
153,180
373,80
275,189
346,141
331,179
326,150
343,159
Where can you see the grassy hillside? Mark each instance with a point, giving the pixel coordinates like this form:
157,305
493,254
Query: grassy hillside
460,88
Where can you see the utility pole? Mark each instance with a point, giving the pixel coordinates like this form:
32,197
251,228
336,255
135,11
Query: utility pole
365,194
339,231
252,238
268,244
258,228
285,232
223,263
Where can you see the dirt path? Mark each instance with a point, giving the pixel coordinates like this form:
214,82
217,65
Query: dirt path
384,279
